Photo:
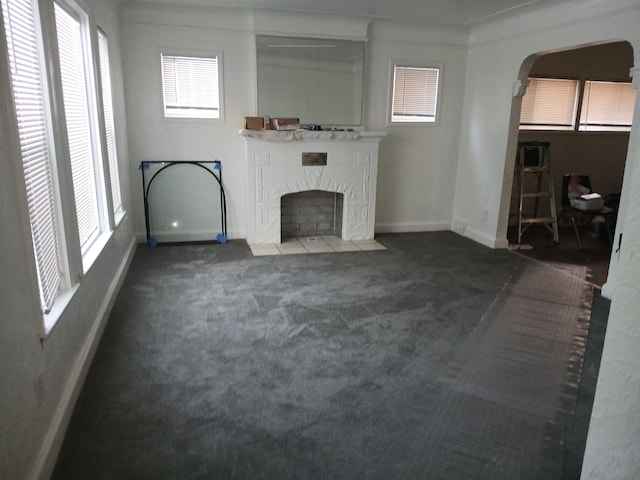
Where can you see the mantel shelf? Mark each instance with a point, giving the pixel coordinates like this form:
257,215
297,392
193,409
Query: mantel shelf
323,135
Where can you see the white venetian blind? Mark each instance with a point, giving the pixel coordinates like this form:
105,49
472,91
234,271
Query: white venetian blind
76,109
549,103
190,86
28,93
107,104
415,94
607,106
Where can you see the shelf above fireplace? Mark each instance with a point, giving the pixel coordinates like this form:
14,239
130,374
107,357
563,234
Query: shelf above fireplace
290,135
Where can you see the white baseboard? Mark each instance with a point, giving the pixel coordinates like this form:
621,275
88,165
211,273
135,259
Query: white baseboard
504,243
412,227
463,228
457,226
45,462
486,240
231,235
607,289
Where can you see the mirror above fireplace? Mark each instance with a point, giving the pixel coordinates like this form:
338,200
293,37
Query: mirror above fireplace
317,80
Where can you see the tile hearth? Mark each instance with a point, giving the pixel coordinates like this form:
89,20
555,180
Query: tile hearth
315,244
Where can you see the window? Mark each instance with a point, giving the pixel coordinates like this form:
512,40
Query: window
54,156
549,104
29,99
607,106
415,94
107,108
191,86
553,104
81,123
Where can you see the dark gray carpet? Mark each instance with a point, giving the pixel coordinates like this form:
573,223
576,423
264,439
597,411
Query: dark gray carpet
219,365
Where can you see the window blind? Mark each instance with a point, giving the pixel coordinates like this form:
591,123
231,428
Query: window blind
107,108
607,106
76,109
549,102
28,93
190,86
415,94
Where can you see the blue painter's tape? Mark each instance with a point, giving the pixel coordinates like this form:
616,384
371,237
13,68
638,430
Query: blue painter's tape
144,165
217,165
221,238
152,242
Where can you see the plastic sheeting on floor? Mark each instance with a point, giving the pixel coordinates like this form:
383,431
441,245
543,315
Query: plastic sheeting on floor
505,400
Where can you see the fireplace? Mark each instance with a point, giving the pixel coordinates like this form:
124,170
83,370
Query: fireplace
344,163
311,213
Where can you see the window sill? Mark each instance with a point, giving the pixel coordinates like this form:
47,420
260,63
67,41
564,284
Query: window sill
94,251
572,132
64,298
50,319
118,217
194,120
413,124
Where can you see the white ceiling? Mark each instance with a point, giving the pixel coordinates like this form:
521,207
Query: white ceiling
450,12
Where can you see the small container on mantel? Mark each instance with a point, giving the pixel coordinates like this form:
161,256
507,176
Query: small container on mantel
255,123
285,123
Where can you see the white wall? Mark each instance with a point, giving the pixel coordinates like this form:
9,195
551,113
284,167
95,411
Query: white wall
417,164
40,380
614,431
496,54
416,173
487,145
145,34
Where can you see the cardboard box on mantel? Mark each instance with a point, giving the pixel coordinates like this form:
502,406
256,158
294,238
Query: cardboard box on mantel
255,123
286,123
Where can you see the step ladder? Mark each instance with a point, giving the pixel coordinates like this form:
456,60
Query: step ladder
533,172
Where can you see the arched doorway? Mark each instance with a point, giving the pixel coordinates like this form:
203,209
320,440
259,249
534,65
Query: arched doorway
597,151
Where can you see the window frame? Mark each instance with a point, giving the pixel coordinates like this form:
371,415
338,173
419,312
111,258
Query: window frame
192,53
578,126
94,245
548,126
48,297
108,130
594,127
403,63
73,261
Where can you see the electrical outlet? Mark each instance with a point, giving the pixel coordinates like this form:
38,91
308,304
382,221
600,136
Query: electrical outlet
459,227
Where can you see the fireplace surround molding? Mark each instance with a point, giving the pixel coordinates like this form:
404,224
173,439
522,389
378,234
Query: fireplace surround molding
275,168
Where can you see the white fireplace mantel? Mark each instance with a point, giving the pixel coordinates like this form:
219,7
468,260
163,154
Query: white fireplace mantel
274,166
